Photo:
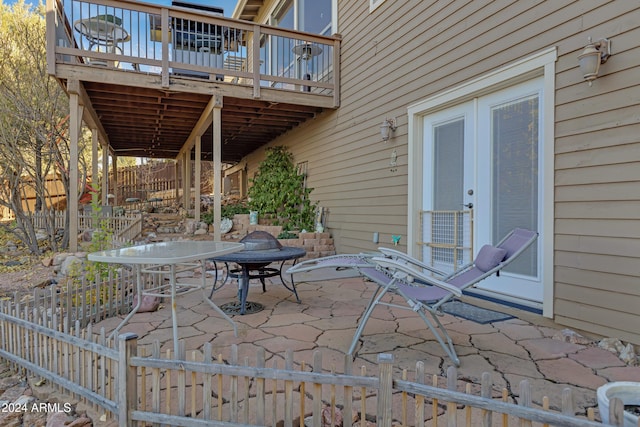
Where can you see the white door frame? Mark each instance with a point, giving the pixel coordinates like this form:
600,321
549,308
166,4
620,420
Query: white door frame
540,64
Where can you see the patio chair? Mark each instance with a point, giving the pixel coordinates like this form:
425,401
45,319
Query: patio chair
423,288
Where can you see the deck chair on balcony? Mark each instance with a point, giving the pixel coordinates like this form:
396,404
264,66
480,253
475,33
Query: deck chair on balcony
423,288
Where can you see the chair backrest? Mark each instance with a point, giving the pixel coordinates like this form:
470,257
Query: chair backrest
492,259
517,242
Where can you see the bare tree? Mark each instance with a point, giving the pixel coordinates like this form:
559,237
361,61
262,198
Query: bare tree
33,130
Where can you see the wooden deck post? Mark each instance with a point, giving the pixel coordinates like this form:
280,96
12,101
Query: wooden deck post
94,157
385,391
197,182
185,170
75,126
104,183
217,166
127,379
114,185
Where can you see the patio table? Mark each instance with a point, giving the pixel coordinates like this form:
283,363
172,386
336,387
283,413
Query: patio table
168,258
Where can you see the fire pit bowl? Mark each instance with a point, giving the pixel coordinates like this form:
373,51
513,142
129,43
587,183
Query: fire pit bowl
260,241
260,250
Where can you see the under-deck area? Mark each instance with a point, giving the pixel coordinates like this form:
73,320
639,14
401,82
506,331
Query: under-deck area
183,83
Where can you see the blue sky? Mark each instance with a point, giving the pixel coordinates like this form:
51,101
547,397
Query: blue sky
227,5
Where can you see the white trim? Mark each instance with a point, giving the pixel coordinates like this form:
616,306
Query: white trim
374,4
539,64
502,77
334,17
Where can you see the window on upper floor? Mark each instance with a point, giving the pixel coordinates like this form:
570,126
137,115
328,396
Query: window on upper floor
278,54
313,16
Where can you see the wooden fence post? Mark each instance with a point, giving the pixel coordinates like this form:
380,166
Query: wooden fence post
452,385
525,400
385,392
127,379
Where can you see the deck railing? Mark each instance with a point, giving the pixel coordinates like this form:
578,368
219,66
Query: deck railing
177,41
126,382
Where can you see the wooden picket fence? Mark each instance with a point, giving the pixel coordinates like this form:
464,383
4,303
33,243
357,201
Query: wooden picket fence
125,228
124,381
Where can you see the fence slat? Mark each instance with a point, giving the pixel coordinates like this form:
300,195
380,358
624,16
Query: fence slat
385,391
127,392
317,391
207,401
260,390
485,391
452,415
288,390
348,393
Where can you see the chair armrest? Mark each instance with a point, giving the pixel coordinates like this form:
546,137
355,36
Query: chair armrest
401,255
333,261
412,274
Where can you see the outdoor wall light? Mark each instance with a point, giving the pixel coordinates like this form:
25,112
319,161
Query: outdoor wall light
592,56
387,126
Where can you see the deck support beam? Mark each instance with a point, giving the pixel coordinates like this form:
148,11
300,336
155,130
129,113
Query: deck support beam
217,165
75,127
197,184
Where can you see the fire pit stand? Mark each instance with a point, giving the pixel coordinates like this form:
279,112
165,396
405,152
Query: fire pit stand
261,249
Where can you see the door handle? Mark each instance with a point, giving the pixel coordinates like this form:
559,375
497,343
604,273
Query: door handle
468,205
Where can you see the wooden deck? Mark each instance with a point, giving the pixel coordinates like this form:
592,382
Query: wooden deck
148,76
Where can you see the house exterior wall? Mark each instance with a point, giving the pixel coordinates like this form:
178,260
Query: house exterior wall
404,52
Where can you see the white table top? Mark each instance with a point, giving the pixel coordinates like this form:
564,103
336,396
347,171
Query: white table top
166,253
103,28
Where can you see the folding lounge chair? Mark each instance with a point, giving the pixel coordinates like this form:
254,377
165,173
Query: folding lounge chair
424,288
385,278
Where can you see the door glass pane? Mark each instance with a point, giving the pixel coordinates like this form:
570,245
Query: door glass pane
448,164
514,138
448,167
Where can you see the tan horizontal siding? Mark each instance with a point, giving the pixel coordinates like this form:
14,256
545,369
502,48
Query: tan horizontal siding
605,172
626,132
618,154
599,227
405,52
626,266
593,328
599,192
617,284
602,321
597,300
625,248
599,210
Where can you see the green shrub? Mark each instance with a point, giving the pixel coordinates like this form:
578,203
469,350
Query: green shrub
278,189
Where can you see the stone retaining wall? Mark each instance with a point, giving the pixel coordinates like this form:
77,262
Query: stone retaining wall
316,244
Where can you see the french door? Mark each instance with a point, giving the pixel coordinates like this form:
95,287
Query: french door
484,156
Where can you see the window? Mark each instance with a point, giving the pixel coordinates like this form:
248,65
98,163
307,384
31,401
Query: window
283,16
314,16
278,55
